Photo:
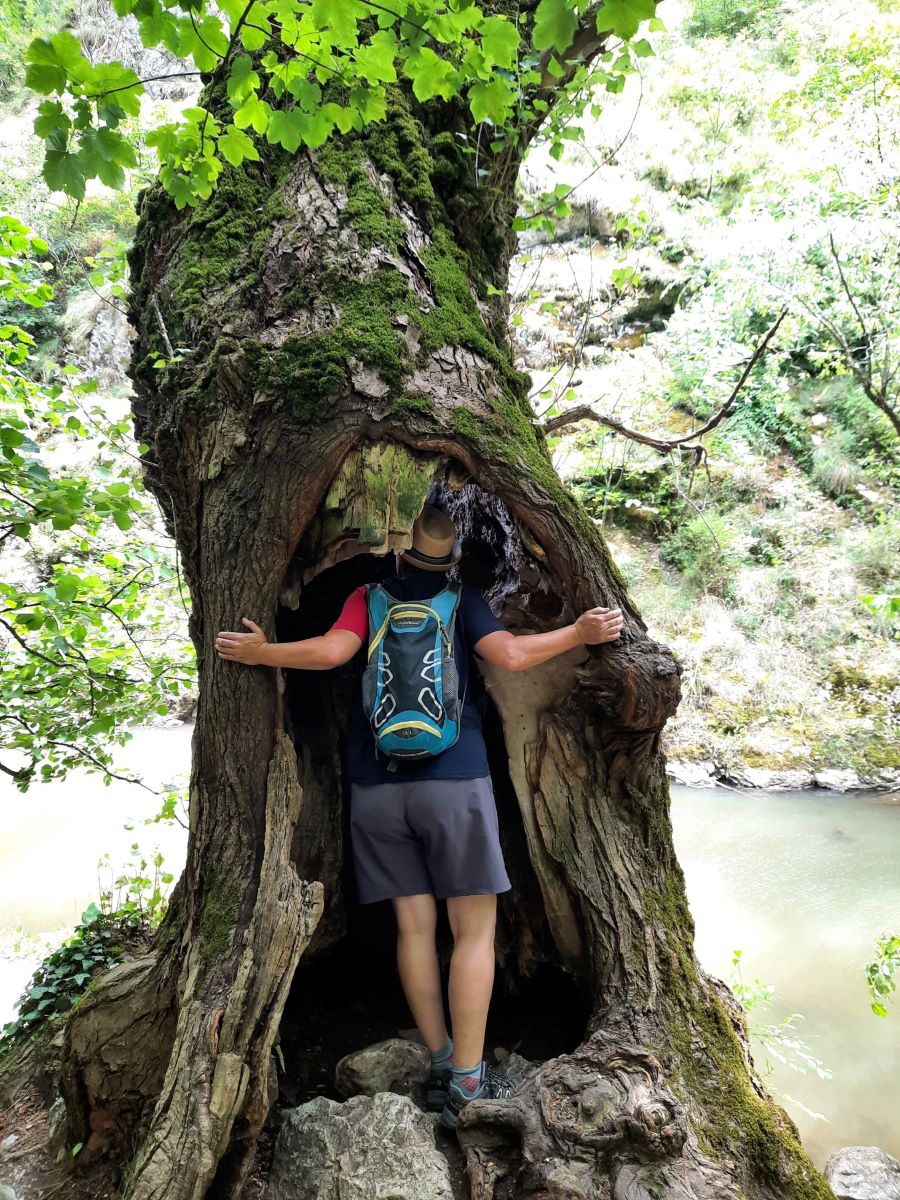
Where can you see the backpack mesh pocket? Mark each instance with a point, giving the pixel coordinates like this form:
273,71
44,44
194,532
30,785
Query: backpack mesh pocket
450,687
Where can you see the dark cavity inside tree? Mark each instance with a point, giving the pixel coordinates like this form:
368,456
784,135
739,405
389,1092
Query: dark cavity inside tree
345,320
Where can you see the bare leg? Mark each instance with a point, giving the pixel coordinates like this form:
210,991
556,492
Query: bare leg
417,963
472,919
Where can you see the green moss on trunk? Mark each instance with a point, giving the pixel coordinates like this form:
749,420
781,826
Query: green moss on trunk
734,1121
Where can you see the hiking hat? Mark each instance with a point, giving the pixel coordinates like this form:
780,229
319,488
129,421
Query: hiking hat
434,547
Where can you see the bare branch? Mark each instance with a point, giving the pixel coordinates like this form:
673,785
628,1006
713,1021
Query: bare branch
584,412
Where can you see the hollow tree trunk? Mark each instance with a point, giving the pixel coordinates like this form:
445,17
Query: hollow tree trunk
344,357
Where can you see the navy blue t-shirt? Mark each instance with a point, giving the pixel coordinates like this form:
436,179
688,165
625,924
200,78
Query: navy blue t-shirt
467,757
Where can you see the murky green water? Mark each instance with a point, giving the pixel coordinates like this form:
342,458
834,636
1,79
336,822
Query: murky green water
803,883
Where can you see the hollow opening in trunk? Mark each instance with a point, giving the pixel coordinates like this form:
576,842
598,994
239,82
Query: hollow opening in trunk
346,992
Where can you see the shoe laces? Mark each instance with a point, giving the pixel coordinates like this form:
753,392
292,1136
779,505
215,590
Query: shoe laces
499,1084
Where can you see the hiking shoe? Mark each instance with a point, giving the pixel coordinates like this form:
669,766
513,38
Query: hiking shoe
436,1089
495,1085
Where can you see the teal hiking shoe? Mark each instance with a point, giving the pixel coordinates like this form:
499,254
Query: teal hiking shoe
495,1085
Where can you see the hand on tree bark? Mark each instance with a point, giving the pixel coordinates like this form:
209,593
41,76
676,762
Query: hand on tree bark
242,647
599,625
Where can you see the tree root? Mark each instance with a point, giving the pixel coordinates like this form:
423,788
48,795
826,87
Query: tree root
597,1124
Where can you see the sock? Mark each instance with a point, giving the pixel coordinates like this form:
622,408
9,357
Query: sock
441,1058
469,1080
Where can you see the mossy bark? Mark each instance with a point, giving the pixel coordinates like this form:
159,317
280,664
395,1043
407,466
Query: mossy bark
346,341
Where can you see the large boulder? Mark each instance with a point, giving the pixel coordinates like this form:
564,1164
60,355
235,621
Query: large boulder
863,1173
395,1065
368,1148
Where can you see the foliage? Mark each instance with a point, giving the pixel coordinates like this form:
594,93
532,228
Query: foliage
857,85
728,18
22,20
142,893
776,1039
887,609
98,942
86,648
877,557
294,72
707,550
880,973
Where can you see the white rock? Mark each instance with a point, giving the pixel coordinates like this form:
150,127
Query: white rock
699,774
368,1148
863,1173
839,780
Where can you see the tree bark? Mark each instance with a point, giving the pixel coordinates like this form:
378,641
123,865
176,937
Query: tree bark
346,357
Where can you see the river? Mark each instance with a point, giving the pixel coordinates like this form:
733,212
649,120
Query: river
803,883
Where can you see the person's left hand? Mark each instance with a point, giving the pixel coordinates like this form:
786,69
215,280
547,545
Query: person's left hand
242,647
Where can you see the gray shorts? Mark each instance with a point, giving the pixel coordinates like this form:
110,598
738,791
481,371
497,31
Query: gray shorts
437,836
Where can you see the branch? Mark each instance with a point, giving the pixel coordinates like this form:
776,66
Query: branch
22,773
584,412
162,327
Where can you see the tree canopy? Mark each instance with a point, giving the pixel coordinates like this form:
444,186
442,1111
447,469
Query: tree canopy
297,70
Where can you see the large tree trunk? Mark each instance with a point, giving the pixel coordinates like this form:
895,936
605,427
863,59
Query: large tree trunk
345,359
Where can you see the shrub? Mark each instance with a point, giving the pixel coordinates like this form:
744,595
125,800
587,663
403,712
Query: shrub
728,18
833,468
99,941
877,557
706,550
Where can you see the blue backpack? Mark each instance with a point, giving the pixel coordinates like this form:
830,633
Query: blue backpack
410,683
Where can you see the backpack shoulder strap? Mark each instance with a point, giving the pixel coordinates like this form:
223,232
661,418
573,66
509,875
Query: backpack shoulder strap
446,605
377,604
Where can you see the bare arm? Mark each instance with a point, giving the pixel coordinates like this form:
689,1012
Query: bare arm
512,653
335,647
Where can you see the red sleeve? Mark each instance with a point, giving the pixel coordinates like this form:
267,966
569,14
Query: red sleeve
355,615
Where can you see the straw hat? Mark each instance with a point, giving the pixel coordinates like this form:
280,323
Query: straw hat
434,547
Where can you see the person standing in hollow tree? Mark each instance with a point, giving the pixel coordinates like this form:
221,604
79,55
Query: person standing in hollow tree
426,829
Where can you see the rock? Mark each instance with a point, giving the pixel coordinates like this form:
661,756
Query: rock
839,780
658,292
775,781
863,1173
396,1065
368,1148
6,1193
698,774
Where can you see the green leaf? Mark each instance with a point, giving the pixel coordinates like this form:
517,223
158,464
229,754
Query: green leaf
235,146
499,41
51,119
431,75
491,101
368,102
67,587
64,173
253,112
243,81
375,60
624,17
340,16
555,23
284,129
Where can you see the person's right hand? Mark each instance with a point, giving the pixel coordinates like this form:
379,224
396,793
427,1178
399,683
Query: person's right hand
599,625
242,647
